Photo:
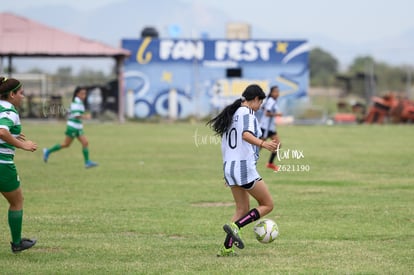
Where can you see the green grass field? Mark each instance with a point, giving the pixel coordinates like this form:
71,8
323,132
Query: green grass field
157,203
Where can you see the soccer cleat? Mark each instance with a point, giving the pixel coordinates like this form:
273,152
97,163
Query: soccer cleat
23,245
234,231
272,166
226,252
90,164
45,154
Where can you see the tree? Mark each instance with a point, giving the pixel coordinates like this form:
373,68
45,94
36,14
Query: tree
361,64
387,78
12,70
323,67
64,76
91,77
35,70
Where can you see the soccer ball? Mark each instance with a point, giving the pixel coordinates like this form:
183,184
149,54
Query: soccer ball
266,231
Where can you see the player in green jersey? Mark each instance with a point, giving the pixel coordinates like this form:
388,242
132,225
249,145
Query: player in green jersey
74,128
11,137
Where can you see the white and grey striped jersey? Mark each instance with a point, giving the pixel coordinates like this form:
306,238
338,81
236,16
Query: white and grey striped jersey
239,156
268,122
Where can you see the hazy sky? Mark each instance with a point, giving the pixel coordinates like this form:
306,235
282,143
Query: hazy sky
343,21
349,20
383,29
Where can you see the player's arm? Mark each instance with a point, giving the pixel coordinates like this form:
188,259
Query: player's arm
16,142
86,116
82,115
21,137
250,138
271,114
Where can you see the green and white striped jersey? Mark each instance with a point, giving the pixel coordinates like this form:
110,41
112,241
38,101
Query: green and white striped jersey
9,120
77,108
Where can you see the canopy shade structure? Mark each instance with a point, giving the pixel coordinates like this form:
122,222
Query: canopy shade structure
22,37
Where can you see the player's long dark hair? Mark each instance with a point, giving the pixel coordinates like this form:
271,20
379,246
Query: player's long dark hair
76,92
221,123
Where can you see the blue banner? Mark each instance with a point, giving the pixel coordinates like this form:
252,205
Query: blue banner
183,77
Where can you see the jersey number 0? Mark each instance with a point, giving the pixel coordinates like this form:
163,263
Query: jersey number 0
231,137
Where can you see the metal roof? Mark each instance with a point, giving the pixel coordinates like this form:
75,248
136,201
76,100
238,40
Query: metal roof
20,36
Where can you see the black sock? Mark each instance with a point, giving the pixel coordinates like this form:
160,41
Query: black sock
252,216
228,242
272,157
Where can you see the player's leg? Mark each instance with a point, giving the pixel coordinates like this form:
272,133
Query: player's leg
13,193
85,151
15,213
270,164
243,215
261,194
241,198
259,191
66,143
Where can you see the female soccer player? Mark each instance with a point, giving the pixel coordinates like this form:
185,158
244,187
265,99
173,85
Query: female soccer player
74,128
11,137
268,123
240,132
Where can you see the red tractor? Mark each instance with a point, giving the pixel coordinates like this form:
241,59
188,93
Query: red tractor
398,110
